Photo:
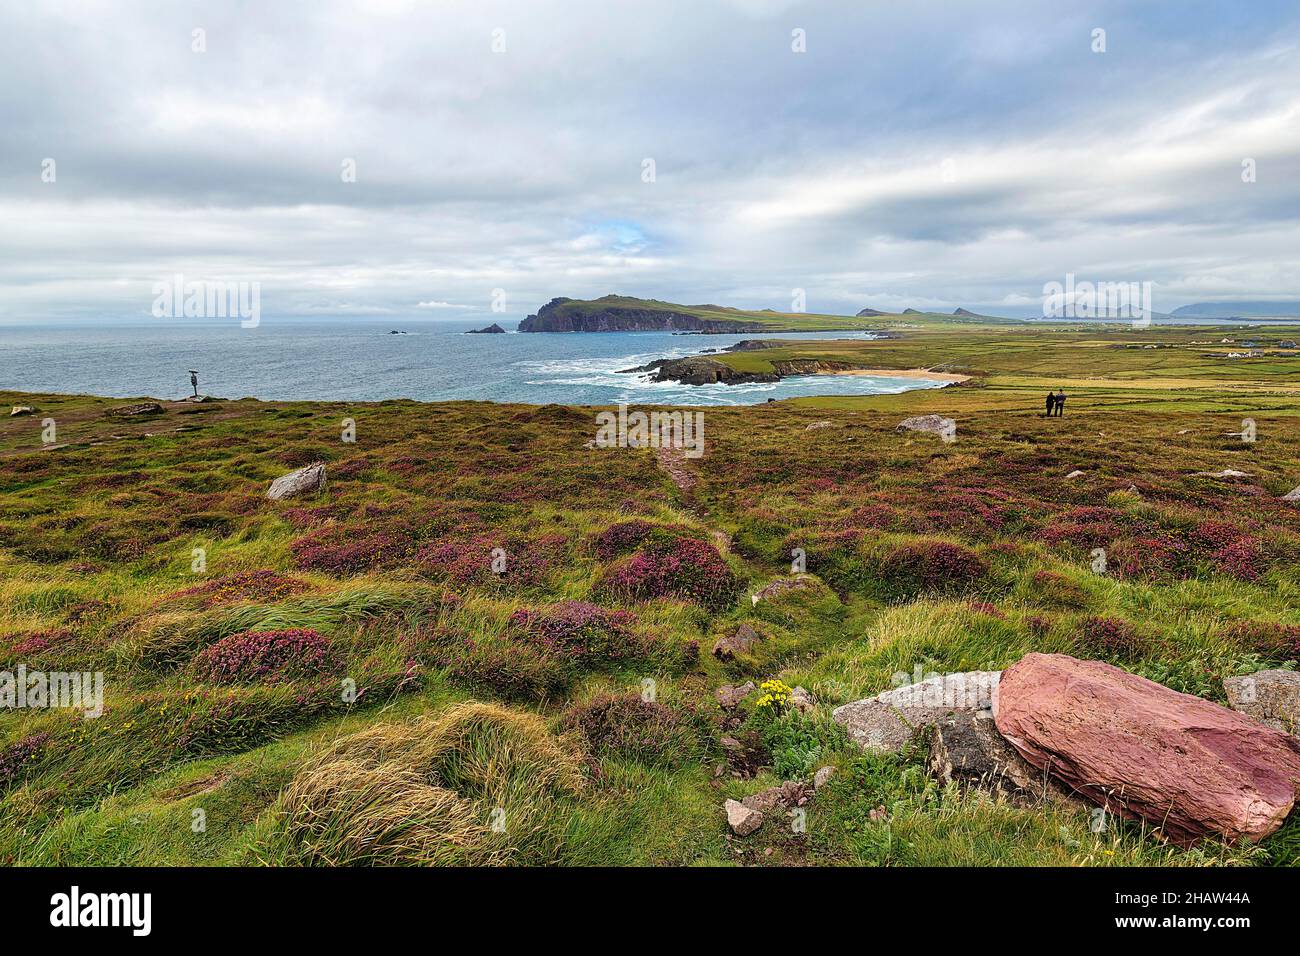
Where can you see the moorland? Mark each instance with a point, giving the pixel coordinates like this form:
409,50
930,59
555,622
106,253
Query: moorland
486,641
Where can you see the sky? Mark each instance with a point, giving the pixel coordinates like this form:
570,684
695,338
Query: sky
871,154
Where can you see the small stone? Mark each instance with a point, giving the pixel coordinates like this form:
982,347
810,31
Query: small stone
1226,473
1075,474
742,820
741,642
822,777
140,408
730,743
801,700
729,696
22,410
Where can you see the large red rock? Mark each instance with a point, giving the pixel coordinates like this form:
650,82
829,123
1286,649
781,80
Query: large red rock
1186,765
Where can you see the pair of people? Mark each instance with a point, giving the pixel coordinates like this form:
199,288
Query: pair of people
1055,403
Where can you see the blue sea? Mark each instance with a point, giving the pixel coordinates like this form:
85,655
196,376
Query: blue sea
360,360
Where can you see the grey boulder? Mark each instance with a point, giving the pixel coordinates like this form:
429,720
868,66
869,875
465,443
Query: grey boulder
1271,697
304,480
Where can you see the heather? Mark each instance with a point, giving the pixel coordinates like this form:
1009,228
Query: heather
479,612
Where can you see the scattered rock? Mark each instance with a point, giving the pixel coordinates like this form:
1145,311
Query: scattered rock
1074,474
22,410
1184,764
1226,473
801,700
492,329
781,585
141,408
1272,697
1292,495
887,722
742,820
876,727
822,777
731,743
741,642
966,747
818,426
790,794
730,695
310,478
931,424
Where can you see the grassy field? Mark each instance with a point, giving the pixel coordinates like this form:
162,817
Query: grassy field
445,656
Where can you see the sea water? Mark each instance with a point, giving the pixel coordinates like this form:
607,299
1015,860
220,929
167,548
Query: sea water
361,360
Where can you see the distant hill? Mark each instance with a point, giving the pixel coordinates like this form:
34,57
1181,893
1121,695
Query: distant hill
620,313
1239,309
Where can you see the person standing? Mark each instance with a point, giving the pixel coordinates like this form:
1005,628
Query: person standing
1051,403
1060,403
194,381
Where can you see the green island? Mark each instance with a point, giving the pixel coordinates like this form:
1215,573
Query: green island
482,640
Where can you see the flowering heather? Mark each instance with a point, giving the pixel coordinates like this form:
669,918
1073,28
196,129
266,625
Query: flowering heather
1109,637
1038,624
14,757
348,550
587,635
875,517
269,656
1243,559
1084,527
1212,535
622,537
31,644
933,565
686,568
1148,558
627,726
1269,638
468,561
247,586
984,607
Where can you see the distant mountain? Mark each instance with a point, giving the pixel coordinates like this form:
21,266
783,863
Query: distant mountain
1239,309
866,313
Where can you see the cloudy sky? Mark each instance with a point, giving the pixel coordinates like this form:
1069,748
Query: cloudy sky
916,154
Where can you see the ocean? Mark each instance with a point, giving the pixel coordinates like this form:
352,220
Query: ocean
359,360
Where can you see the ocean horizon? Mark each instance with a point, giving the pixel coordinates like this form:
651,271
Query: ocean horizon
362,360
